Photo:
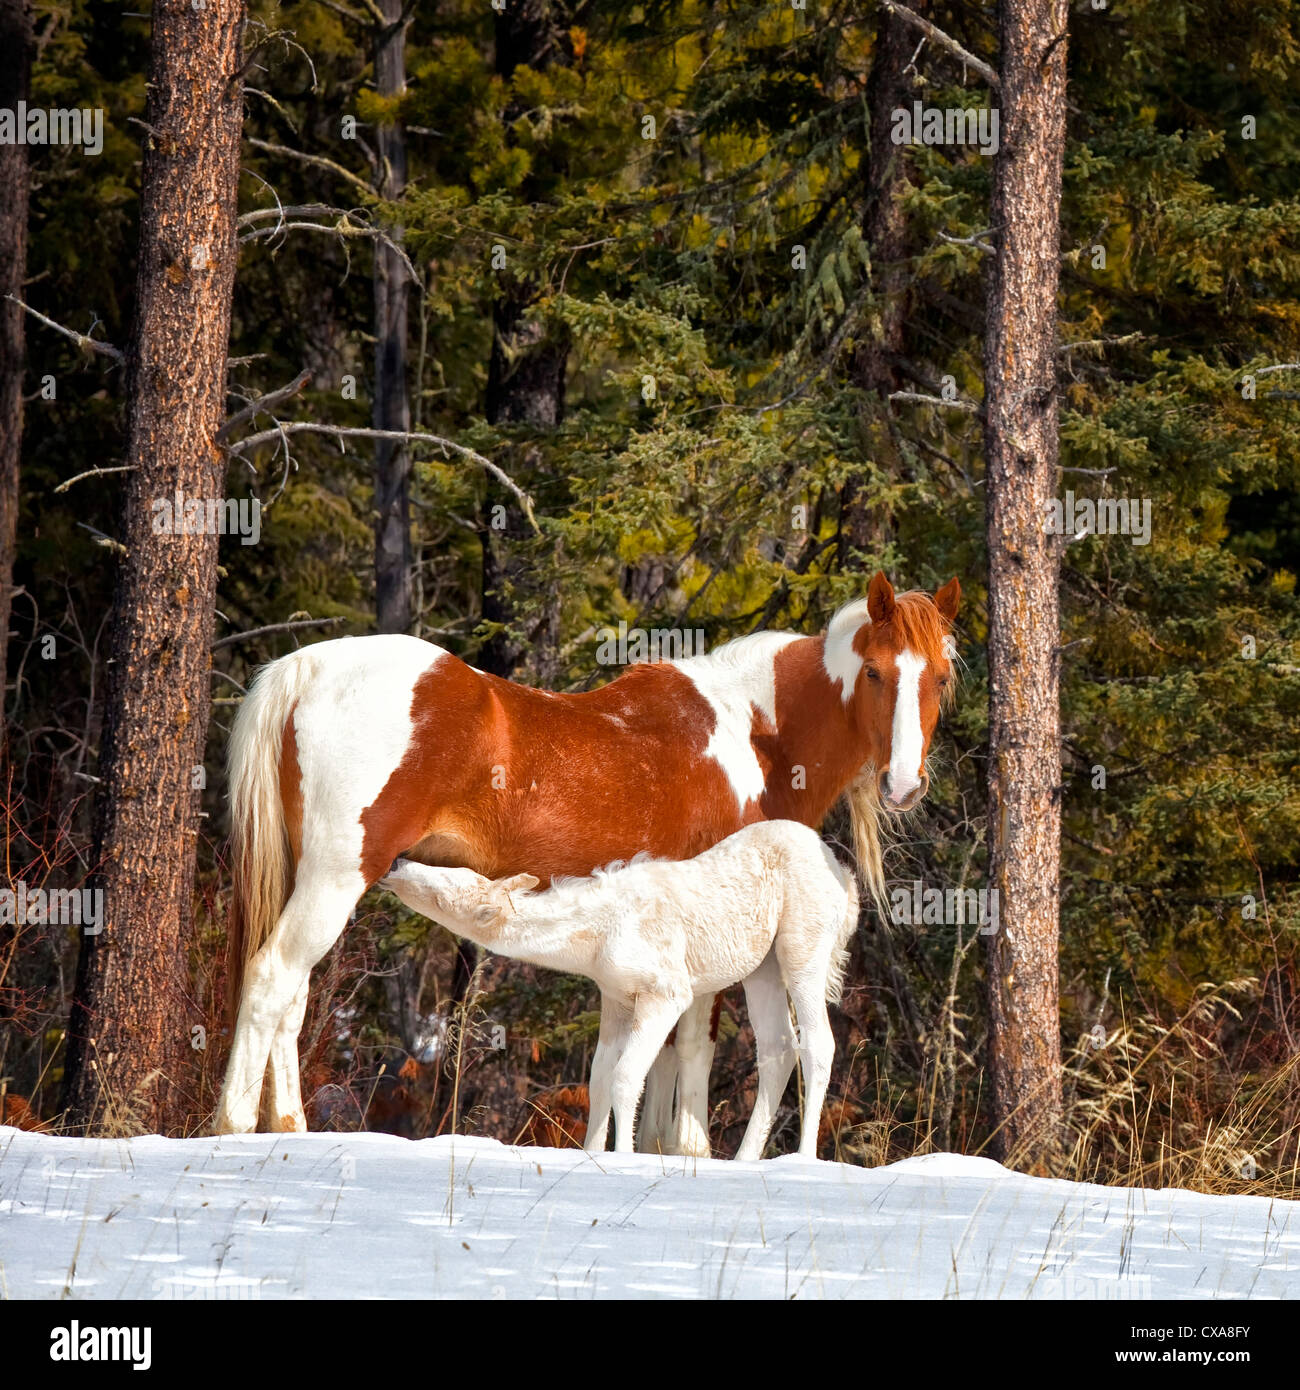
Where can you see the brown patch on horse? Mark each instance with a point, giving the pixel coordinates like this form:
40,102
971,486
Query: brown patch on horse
504,779
713,1018
806,762
288,1123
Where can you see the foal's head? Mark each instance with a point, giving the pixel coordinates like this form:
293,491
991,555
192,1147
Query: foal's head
893,656
459,899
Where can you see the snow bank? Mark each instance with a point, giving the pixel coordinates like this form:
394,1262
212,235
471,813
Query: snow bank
367,1215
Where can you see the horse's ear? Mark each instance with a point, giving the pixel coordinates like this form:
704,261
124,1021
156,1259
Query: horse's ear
947,599
880,598
517,883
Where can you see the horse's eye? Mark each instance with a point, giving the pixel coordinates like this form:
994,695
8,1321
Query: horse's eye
872,674
943,682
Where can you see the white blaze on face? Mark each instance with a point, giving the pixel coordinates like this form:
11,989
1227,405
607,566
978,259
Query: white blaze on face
906,742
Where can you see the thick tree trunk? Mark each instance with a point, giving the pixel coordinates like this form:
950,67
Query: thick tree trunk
1021,447
392,406
129,1038
15,68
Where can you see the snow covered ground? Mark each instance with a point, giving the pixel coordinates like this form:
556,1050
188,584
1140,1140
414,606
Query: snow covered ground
330,1215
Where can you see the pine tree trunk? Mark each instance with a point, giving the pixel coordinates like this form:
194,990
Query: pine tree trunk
15,69
392,406
128,1064
1021,447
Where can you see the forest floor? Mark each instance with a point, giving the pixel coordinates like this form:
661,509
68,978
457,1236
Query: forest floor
368,1215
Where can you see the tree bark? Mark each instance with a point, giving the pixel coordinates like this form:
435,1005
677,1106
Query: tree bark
392,405
129,1043
15,71
1021,450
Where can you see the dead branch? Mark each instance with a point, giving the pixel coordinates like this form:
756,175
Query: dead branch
403,436
81,340
919,398
944,41
94,473
318,160
272,627
344,227
263,403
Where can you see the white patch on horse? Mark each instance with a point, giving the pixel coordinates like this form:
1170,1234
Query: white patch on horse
736,680
842,663
906,744
353,728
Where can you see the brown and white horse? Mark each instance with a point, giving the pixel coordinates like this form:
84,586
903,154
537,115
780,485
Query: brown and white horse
349,753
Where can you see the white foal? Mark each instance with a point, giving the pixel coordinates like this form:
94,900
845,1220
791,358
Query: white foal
770,906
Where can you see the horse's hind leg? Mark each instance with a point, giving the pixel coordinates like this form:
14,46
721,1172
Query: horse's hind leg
284,1112
695,1045
312,921
656,1131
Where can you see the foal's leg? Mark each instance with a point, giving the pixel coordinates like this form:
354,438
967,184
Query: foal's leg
615,1025
284,1088
816,1052
312,921
694,1062
657,1130
769,1016
651,1022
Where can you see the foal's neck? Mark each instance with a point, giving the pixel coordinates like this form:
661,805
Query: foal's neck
547,929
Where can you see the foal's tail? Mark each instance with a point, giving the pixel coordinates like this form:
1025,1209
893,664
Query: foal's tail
840,956
260,852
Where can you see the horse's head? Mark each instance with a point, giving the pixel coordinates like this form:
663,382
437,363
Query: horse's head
892,655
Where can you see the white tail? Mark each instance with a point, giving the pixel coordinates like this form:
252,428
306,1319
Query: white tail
260,853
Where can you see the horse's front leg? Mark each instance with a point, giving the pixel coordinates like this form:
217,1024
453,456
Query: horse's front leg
282,1100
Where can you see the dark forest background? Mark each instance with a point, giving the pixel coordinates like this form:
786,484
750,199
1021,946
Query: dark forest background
672,277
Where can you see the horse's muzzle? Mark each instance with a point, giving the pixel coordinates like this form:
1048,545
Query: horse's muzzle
887,799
